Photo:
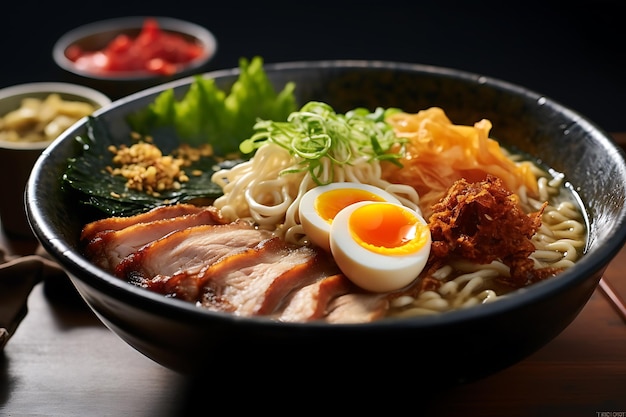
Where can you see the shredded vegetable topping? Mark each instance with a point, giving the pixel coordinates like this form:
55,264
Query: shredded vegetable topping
438,152
316,131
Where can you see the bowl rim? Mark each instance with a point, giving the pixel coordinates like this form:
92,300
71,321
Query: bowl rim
201,33
43,89
74,263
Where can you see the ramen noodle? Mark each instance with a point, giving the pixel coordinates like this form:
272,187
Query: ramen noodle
255,189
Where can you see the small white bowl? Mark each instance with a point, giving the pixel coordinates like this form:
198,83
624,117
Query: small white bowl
18,157
97,35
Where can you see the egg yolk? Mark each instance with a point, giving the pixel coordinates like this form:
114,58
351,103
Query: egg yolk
331,202
388,229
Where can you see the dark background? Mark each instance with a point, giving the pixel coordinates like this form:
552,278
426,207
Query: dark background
568,51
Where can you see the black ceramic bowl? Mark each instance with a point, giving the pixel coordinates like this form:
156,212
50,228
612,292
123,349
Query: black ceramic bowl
438,350
95,36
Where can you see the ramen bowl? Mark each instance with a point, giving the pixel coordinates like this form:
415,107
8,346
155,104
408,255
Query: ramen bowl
435,350
128,68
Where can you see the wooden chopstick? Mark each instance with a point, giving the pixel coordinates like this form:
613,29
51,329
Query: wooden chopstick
613,298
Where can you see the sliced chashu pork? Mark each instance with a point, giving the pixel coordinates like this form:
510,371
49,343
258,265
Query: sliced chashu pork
109,247
259,280
190,250
251,281
318,268
357,308
311,302
334,299
118,222
219,266
238,269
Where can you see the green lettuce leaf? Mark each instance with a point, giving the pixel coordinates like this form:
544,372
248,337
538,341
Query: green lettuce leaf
209,115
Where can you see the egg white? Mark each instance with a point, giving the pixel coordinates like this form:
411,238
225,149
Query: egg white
315,226
370,270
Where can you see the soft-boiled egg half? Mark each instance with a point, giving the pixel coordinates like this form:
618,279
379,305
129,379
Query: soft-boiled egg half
380,246
319,206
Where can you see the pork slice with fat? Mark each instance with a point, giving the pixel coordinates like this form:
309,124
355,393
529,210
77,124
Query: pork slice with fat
335,300
254,281
357,308
280,290
311,302
109,247
158,213
190,250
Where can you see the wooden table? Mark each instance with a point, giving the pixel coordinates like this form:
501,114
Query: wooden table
63,362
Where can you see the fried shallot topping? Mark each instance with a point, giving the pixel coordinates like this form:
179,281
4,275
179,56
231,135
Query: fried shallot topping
483,222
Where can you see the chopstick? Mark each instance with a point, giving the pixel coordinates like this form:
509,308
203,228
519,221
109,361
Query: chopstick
613,298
